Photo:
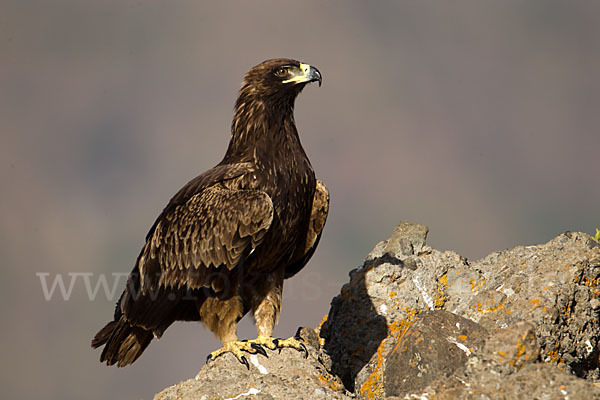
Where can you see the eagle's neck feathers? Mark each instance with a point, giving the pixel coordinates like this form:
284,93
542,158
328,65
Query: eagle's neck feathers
263,128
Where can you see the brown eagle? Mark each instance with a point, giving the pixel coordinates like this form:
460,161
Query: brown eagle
226,241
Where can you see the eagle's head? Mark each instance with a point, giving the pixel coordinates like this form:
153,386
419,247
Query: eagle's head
279,79
265,101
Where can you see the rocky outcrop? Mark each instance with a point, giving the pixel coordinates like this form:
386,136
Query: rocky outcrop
414,322
287,375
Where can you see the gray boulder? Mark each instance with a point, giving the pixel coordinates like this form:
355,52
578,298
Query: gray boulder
414,322
553,287
436,346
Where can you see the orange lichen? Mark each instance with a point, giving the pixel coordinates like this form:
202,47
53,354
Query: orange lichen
372,388
555,358
318,329
441,297
521,350
326,380
487,308
397,328
443,280
535,302
589,282
476,284
462,337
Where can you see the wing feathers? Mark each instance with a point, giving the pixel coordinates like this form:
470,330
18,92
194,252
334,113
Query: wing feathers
210,231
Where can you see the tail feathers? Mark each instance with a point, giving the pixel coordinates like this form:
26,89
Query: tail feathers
123,342
104,334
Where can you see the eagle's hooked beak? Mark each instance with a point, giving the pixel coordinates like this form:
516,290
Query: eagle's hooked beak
307,73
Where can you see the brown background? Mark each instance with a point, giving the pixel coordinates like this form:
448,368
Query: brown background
477,118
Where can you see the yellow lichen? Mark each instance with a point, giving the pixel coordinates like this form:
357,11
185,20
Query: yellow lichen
487,308
318,329
476,284
555,358
326,380
589,282
372,388
441,297
535,302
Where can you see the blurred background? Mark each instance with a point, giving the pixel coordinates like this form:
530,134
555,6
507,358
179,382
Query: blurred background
477,118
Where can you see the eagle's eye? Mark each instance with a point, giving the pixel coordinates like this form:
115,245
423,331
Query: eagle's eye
281,71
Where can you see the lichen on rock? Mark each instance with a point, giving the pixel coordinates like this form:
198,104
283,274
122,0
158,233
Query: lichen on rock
415,322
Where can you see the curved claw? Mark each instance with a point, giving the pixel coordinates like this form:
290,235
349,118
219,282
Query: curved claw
209,359
245,362
276,343
304,349
259,349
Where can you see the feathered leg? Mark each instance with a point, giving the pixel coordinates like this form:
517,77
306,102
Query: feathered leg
266,313
221,317
265,299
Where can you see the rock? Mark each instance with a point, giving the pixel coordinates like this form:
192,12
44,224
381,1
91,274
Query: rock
513,347
287,375
553,287
417,323
407,239
434,347
508,367
384,296
534,381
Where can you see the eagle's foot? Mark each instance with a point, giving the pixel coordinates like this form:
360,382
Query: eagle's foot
237,348
294,343
256,346
272,344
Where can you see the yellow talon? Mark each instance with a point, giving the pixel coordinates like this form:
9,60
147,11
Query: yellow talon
237,348
294,343
265,341
255,346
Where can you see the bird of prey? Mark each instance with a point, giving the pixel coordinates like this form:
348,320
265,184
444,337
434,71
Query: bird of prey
225,242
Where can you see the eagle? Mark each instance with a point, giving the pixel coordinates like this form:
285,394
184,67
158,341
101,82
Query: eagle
224,244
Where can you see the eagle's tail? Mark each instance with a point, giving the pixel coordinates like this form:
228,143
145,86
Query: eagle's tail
123,342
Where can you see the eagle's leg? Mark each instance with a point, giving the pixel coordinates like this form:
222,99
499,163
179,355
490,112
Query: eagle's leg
266,307
237,348
221,316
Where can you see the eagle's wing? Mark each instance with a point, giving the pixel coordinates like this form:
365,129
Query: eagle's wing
318,216
198,242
